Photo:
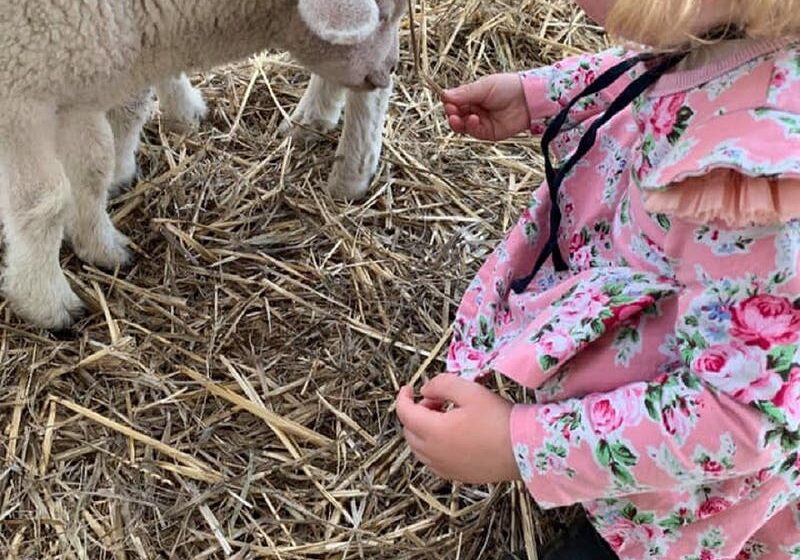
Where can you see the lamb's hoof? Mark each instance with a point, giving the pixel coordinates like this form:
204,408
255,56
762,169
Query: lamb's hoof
350,178
181,127
52,306
129,264
123,267
108,252
305,130
125,176
185,117
122,186
70,334
351,189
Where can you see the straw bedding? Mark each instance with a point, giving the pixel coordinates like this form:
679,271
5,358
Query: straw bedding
232,394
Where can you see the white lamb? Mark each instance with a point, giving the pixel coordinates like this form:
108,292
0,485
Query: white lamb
74,92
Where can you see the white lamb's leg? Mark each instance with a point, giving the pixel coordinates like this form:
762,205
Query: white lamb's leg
360,144
127,122
320,110
86,149
182,105
34,199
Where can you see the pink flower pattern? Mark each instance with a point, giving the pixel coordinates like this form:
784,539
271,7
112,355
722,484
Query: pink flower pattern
558,344
739,370
607,413
712,506
664,116
766,320
787,399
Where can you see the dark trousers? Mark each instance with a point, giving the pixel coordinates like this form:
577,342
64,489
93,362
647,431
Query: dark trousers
581,542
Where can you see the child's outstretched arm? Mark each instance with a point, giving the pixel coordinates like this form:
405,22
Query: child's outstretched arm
492,108
499,106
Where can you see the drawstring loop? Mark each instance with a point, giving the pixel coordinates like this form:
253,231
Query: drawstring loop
555,176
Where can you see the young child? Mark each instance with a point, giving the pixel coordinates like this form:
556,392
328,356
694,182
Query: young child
654,308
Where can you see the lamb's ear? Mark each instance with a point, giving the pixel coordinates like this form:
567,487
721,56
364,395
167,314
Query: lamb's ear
341,22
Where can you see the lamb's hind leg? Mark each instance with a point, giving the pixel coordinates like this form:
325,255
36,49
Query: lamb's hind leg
319,110
34,198
86,148
360,144
127,122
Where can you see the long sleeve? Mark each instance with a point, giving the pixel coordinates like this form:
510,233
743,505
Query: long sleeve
676,431
549,89
726,405
473,347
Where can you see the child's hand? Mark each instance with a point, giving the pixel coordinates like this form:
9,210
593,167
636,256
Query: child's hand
470,443
493,108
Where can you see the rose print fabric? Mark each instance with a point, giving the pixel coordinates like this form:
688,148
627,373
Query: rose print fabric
666,362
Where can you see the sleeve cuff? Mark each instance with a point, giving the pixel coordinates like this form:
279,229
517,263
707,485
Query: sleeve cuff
534,86
542,470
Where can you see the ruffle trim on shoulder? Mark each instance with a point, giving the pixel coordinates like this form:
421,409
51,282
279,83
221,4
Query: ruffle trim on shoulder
740,169
729,197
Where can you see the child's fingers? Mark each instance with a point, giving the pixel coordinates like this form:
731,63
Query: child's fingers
417,447
404,402
466,94
474,126
422,458
414,417
482,129
451,109
432,404
449,387
457,124
455,95
414,441
406,392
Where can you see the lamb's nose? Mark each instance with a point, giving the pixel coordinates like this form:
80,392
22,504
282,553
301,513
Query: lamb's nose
369,84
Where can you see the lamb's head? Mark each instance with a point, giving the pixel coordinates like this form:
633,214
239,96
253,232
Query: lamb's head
351,42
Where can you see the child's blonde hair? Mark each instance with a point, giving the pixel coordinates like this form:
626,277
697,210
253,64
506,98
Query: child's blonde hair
669,23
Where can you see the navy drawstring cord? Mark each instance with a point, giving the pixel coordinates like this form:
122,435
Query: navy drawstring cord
555,177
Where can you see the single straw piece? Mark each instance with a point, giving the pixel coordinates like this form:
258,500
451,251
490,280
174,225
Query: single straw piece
433,86
426,80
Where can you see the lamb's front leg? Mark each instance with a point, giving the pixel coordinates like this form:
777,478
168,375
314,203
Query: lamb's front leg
318,111
34,199
182,105
86,149
360,144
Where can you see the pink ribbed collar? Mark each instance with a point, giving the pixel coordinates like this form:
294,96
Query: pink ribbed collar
682,80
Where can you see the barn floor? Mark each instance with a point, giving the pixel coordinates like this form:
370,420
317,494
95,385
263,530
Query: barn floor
232,393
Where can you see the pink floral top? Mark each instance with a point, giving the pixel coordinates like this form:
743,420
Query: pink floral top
666,362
